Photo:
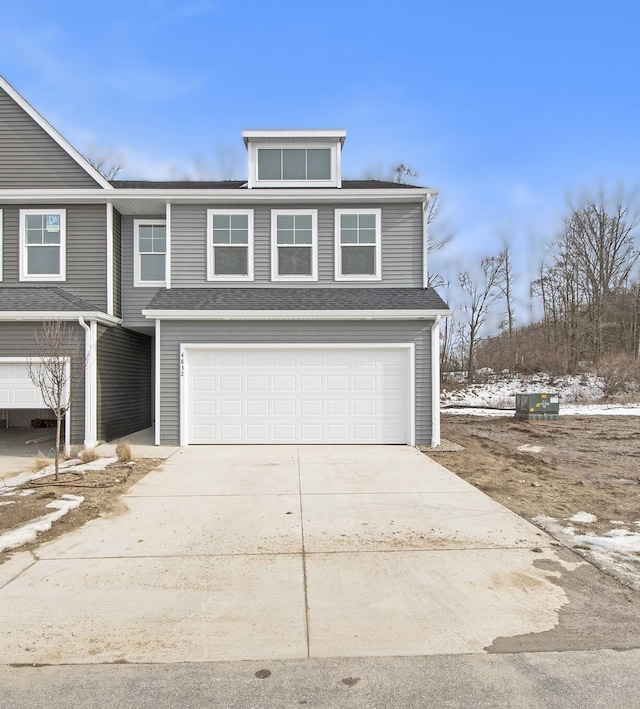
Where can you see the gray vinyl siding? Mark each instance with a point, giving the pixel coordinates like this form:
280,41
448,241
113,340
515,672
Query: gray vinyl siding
124,382
402,244
86,251
175,333
134,300
117,263
30,158
19,340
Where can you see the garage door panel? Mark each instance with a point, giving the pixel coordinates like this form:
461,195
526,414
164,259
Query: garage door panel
17,391
310,395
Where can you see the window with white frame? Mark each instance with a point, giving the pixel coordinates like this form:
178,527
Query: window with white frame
294,164
294,245
150,252
42,244
358,245
230,245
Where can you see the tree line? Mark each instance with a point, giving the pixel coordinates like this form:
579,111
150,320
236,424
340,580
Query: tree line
587,289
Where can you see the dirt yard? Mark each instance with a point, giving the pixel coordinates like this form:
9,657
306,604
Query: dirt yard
101,490
554,468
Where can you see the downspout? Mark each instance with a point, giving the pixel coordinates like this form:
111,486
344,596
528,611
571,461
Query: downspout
90,382
435,383
425,270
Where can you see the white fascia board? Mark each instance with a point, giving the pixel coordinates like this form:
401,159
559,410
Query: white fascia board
185,196
53,133
331,134
293,314
36,316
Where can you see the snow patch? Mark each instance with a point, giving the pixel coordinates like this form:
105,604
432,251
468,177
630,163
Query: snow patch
22,535
584,517
529,448
7,502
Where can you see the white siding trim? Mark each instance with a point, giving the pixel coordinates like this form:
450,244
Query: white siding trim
167,261
43,278
137,281
313,213
425,242
338,276
40,315
110,258
435,383
210,256
157,377
293,314
90,383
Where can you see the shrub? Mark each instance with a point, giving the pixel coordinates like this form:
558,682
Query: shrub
123,451
41,462
620,374
88,455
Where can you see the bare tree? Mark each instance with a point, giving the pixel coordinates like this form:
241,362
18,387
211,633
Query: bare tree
481,295
53,374
401,172
107,169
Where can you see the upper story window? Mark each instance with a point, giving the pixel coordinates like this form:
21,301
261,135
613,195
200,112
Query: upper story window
294,245
358,254
294,164
294,158
230,245
42,244
150,252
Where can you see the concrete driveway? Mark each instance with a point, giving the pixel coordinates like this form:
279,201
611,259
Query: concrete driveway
264,552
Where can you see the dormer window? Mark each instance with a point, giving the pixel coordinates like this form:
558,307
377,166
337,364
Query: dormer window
294,158
294,164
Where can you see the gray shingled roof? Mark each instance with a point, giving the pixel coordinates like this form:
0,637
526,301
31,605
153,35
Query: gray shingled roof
297,299
47,299
238,184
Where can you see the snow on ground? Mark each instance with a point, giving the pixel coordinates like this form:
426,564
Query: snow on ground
578,395
616,552
22,535
14,538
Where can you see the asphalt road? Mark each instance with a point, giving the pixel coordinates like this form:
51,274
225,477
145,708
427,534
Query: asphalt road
593,679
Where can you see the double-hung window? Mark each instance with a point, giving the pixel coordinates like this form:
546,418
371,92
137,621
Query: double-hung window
42,244
150,252
358,248
230,245
294,245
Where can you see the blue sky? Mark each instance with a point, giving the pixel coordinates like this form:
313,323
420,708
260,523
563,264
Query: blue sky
510,109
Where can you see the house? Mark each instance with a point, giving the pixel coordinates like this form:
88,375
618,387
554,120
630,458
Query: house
292,307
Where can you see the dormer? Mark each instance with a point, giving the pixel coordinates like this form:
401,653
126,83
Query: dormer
294,158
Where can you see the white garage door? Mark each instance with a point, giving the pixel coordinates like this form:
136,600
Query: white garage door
294,394
16,389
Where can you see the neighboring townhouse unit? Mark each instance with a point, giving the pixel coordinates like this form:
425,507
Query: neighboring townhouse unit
289,308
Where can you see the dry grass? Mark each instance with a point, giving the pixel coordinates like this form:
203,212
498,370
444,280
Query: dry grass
88,455
41,462
123,451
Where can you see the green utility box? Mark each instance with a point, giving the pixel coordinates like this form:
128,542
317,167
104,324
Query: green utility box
538,407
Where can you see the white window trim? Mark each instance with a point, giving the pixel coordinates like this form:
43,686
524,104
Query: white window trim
211,276
1,243
255,181
339,276
314,244
137,281
56,277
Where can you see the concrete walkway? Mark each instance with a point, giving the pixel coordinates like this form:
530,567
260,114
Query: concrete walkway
283,552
